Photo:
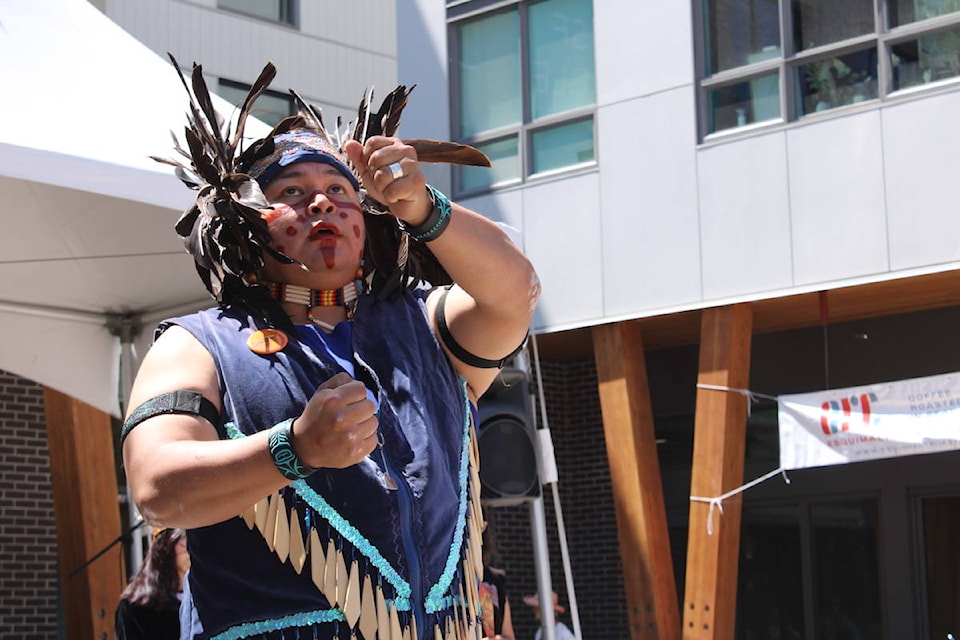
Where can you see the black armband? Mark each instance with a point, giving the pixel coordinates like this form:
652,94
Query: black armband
462,354
185,402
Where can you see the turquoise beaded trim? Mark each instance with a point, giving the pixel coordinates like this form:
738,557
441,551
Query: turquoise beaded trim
435,600
347,531
354,537
305,619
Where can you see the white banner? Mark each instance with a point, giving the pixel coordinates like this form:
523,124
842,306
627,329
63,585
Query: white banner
887,420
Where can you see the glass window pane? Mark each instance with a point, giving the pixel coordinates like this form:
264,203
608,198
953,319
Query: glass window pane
561,56
846,574
563,146
490,73
744,103
770,585
504,165
839,81
941,521
820,22
927,59
740,32
276,10
270,107
907,11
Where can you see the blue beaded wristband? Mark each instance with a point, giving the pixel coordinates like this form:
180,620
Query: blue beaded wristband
436,222
284,457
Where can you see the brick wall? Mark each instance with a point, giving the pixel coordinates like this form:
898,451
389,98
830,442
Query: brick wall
573,414
28,539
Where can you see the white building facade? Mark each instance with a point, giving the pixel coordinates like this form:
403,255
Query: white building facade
329,52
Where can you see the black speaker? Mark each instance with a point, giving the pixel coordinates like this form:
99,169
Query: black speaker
507,442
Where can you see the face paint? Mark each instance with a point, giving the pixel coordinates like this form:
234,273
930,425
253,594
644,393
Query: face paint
348,203
328,249
356,231
270,215
291,231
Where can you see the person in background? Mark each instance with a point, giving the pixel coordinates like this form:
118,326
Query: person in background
562,631
150,603
494,603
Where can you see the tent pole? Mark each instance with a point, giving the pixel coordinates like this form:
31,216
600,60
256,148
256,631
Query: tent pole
126,327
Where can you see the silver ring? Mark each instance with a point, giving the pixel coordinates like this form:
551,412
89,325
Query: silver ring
395,170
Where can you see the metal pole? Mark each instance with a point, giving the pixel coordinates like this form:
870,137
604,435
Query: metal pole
541,558
126,327
549,476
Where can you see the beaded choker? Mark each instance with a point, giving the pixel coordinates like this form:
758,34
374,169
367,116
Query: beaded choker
310,298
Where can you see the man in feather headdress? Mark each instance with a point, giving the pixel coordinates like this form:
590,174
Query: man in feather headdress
314,431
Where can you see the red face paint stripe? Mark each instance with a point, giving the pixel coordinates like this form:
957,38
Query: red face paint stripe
346,204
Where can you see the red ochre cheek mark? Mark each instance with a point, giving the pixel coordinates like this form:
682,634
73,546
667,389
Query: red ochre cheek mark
270,215
356,231
291,231
279,247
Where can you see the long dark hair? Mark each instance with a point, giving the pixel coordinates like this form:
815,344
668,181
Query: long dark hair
157,582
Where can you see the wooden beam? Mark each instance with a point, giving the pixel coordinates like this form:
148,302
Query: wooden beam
709,611
87,513
648,577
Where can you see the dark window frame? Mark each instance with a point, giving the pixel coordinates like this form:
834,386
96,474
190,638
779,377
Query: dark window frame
786,65
460,12
289,13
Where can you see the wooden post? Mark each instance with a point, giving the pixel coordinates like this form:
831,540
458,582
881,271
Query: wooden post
719,441
87,514
648,577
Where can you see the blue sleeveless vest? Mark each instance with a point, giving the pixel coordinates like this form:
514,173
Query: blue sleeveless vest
352,556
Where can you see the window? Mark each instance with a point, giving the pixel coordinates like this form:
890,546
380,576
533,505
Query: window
524,87
782,60
835,587
274,10
271,107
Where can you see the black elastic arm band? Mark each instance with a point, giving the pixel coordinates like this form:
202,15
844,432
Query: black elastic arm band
461,353
188,402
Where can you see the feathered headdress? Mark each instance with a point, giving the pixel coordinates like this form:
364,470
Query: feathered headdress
224,230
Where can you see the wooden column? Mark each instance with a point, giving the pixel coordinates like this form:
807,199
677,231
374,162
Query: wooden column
709,610
87,514
649,583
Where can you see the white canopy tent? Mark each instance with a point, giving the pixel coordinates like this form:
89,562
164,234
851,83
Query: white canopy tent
89,216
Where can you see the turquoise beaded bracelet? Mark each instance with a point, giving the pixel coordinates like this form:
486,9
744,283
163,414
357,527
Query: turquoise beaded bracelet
284,457
436,222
